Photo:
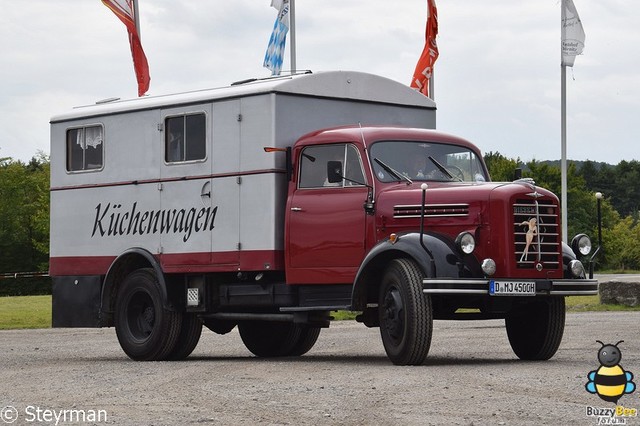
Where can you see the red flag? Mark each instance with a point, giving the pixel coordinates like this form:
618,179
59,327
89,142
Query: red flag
424,68
124,11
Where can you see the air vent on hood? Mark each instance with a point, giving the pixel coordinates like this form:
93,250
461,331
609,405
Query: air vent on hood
431,210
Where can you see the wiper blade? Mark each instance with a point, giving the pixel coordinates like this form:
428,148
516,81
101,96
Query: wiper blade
399,176
443,169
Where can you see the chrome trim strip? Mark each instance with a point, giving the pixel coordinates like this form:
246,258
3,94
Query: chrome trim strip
453,291
582,287
413,216
417,206
574,293
454,281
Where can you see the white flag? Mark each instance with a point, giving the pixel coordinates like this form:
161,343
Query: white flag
572,33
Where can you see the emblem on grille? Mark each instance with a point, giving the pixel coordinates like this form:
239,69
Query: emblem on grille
532,232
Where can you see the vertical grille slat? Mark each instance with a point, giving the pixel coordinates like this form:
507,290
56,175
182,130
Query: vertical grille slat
537,218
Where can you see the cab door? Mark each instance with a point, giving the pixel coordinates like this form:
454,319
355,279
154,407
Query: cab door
326,220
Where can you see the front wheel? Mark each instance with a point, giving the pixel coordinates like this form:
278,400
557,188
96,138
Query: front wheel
535,331
405,312
145,329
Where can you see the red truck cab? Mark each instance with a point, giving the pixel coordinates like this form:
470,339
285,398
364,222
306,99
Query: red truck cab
484,249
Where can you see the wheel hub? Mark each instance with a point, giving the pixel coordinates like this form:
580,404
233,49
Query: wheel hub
393,314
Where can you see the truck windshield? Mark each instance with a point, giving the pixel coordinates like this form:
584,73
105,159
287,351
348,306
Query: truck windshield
426,161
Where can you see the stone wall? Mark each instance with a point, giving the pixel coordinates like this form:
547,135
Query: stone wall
620,293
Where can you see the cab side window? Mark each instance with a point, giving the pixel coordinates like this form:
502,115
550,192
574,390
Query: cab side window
353,168
315,159
85,148
185,138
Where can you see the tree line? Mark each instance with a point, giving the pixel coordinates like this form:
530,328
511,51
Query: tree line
24,215
24,207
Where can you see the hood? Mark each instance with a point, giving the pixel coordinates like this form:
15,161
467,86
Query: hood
452,206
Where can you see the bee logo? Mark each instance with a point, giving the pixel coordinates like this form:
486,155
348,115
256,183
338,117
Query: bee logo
610,381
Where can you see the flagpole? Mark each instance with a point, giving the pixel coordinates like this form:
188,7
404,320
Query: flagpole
432,87
292,38
563,132
563,158
135,17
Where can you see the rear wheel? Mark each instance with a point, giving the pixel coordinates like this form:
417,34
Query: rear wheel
145,329
274,339
188,338
308,337
536,330
219,326
406,315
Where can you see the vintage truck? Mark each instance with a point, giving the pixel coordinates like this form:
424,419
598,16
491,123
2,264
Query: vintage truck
271,203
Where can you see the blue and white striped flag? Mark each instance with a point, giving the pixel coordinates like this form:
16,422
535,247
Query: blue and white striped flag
275,50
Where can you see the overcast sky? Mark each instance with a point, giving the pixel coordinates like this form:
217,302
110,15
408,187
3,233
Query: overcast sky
497,81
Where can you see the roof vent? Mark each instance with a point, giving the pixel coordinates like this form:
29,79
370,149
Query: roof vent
106,101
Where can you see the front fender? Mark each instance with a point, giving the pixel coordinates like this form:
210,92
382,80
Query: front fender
447,260
567,256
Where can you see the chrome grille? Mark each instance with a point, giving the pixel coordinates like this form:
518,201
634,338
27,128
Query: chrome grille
431,210
536,221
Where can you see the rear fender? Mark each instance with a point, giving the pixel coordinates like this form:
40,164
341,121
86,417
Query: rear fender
126,263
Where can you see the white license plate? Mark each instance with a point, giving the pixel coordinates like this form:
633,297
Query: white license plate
512,288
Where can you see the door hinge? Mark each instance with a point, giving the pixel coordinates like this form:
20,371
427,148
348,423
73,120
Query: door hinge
239,180
239,246
239,117
159,187
160,127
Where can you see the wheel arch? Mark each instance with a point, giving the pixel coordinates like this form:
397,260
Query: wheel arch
368,278
127,262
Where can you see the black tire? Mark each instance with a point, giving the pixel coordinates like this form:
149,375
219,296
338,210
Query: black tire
219,326
146,331
188,338
308,337
536,330
406,315
269,339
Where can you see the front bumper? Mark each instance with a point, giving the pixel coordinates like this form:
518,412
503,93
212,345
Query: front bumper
560,287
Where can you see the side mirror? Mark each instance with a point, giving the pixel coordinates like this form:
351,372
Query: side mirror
334,171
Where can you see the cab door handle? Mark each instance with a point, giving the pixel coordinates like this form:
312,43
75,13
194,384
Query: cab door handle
296,209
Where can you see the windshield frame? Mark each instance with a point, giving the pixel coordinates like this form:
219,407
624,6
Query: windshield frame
424,161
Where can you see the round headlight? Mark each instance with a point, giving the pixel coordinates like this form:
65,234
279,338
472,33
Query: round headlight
466,242
577,269
489,267
581,245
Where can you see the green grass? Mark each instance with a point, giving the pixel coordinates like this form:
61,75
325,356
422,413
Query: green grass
35,311
592,303
25,312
